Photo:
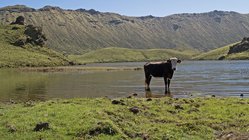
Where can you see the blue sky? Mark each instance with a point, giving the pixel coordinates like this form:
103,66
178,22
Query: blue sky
140,7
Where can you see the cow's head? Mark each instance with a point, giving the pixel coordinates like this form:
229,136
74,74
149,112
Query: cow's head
173,62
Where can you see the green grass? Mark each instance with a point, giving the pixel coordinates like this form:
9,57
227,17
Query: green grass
113,54
223,51
164,118
239,56
29,55
213,54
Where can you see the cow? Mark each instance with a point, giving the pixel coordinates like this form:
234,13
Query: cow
163,69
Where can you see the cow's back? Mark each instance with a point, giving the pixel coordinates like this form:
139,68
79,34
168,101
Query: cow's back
158,69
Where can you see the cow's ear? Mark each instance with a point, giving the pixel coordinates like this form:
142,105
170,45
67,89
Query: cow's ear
169,61
179,61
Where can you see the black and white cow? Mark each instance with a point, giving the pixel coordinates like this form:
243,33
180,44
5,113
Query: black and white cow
163,69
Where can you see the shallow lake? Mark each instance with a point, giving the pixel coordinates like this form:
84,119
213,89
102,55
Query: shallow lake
192,78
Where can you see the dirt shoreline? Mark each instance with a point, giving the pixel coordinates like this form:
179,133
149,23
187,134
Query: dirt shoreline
76,69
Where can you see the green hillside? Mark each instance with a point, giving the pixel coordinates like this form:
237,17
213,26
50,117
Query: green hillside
28,55
114,54
226,53
32,55
239,56
213,54
80,31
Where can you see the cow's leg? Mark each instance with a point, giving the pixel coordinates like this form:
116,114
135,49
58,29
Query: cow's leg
147,82
166,84
148,94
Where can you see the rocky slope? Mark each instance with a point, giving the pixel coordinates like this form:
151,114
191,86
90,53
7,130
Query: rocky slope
79,31
240,47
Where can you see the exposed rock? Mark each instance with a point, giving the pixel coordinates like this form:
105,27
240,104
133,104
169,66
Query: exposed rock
129,97
222,58
245,39
178,107
146,17
15,28
11,128
134,110
91,11
81,10
115,102
176,27
35,35
19,21
20,42
134,94
41,126
49,8
115,22
72,63
149,99
240,47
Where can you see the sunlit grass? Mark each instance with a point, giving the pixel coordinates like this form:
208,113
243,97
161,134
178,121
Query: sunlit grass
165,118
222,52
114,54
239,56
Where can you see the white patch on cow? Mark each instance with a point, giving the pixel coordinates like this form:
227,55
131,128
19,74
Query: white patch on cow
173,62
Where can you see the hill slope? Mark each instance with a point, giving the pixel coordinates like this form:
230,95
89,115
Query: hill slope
27,55
79,31
235,51
213,54
112,54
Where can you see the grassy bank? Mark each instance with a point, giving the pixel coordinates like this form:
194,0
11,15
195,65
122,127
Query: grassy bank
223,52
113,54
128,118
213,54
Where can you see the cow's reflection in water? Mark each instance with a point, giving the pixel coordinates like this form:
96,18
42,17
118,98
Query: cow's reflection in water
149,94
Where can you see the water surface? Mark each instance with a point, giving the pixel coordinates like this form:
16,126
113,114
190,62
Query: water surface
192,78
